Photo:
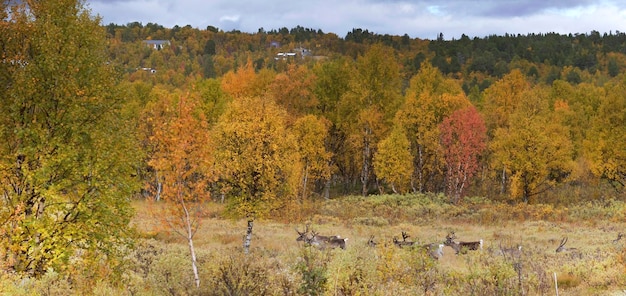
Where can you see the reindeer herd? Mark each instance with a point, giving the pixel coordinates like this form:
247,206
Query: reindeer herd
321,241
435,250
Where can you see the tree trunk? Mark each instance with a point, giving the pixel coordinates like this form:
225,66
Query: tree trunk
192,250
159,187
246,242
526,192
194,261
366,159
305,181
420,173
503,185
327,189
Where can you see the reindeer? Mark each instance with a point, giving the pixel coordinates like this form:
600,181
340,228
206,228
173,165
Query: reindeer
435,250
404,242
619,236
302,236
562,247
332,241
321,241
462,246
371,242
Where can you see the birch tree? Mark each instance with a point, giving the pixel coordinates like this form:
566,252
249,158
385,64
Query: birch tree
370,104
67,156
535,150
182,156
257,159
464,139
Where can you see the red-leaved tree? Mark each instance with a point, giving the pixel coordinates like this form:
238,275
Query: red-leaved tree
463,138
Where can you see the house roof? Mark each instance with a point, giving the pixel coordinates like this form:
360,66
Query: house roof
156,42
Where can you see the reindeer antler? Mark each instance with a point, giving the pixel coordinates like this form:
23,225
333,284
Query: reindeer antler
306,229
562,245
619,236
371,242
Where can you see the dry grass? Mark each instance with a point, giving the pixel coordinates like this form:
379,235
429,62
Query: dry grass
278,265
594,268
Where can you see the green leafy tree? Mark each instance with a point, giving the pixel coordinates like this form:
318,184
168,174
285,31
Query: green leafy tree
613,67
214,99
67,155
331,83
256,157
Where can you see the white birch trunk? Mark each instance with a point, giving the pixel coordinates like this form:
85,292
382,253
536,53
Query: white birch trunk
420,176
192,250
246,242
365,172
305,181
503,185
159,186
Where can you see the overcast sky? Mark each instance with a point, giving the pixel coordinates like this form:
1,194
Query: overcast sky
419,19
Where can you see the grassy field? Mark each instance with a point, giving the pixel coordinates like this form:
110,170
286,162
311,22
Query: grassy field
278,265
159,263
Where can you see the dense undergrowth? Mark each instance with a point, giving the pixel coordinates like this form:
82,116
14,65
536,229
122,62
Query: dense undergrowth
392,209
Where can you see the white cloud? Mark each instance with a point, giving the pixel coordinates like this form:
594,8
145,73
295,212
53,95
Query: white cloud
423,19
229,18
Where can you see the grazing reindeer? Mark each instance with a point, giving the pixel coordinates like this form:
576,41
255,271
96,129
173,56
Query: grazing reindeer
462,246
619,236
371,242
320,241
302,236
435,251
562,247
404,242
332,241
405,235
400,243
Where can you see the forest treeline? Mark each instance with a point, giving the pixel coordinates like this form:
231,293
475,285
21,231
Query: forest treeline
92,117
513,117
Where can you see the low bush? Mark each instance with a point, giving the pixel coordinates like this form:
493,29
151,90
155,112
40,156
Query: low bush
371,221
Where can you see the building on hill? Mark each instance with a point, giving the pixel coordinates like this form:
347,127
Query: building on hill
157,44
301,51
